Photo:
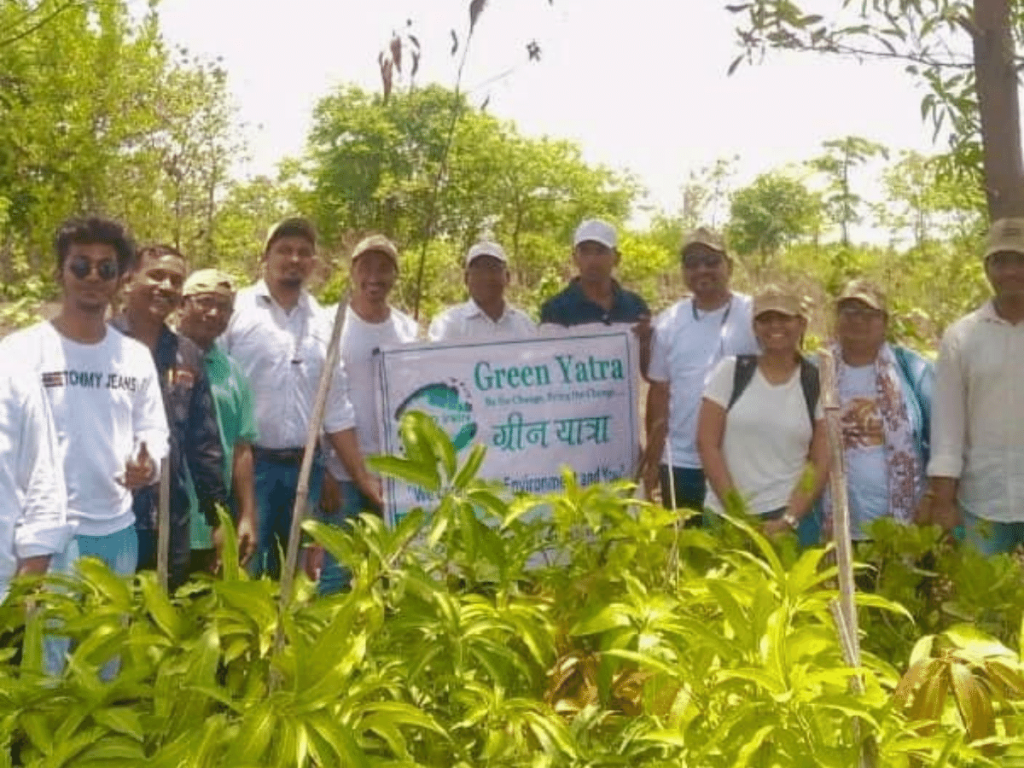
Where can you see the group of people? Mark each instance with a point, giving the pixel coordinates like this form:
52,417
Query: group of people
217,384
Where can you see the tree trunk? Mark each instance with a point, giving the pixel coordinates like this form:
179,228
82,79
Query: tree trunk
998,106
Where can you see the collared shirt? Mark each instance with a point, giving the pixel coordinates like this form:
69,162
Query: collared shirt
282,354
195,451
687,345
977,428
468,321
33,511
572,307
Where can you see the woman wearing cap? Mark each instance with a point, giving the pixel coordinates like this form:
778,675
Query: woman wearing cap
885,394
760,426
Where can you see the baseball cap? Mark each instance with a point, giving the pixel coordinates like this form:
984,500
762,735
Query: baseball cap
295,226
209,281
596,230
376,243
1005,235
486,248
864,291
772,298
706,237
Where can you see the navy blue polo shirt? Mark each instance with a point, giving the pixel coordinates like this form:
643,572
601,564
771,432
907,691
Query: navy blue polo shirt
572,307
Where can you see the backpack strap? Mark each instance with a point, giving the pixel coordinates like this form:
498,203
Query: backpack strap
741,377
810,382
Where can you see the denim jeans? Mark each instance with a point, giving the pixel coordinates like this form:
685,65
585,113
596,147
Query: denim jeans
276,484
690,490
120,552
335,577
990,537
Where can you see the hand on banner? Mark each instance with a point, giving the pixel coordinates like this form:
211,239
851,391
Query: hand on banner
643,329
140,471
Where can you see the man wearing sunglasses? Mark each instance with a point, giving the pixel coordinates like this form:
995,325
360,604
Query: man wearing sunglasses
690,337
152,293
103,394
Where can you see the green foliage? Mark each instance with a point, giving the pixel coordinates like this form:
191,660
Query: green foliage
585,629
773,211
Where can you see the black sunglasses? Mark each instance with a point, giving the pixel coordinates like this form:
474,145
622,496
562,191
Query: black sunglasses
694,260
81,267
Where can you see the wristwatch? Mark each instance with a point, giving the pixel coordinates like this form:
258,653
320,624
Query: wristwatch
790,519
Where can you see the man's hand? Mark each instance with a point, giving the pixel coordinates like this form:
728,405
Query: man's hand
140,471
650,476
777,527
372,488
246,539
944,513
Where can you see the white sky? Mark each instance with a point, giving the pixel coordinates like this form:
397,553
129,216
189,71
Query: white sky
641,85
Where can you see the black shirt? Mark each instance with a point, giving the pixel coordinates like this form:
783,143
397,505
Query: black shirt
572,307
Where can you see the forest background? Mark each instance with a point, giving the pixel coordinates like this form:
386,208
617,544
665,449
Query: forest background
100,113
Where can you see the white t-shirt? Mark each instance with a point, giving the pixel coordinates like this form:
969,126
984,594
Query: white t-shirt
767,437
105,400
864,446
468,321
359,339
684,352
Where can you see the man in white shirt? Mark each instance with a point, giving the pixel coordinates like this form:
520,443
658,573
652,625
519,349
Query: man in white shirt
102,391
976,470
690,338
370,323
33,514
486,315
279,335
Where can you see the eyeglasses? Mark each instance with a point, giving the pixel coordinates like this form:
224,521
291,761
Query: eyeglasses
694,260
81,267
853,312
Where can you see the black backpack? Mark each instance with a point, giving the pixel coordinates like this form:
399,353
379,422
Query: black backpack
809,381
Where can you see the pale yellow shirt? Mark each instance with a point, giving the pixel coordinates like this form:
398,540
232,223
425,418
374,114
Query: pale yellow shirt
978,414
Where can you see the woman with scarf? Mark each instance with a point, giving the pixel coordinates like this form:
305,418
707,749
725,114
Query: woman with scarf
885,394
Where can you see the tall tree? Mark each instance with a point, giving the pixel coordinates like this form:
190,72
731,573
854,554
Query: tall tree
975,95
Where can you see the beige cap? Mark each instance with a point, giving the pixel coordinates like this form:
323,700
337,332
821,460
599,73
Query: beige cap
864,291
486,248
377,243
771,298
1005,235
290,227
706,237
209,281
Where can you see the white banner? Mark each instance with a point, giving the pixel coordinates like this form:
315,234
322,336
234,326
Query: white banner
538,403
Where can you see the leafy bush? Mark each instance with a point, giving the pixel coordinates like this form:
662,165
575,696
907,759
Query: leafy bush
585,629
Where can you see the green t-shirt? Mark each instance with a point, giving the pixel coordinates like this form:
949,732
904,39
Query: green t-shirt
236,416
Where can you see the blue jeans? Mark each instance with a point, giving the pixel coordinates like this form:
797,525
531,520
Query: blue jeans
334,577
992,538
691,488
276,484
120,552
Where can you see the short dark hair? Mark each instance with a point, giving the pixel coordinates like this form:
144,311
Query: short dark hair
157,251
89,230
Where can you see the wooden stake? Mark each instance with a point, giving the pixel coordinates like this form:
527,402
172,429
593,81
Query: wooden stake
163,525
845,611
312,436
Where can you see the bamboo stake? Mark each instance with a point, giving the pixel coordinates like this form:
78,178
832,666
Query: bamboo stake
844,611
302,490
163,525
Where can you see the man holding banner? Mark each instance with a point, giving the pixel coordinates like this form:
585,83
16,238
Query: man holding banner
486,315
370,323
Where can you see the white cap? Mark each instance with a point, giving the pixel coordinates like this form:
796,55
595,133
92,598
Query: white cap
486,248
594,229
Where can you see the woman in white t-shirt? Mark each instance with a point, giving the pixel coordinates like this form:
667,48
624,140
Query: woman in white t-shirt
755,433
